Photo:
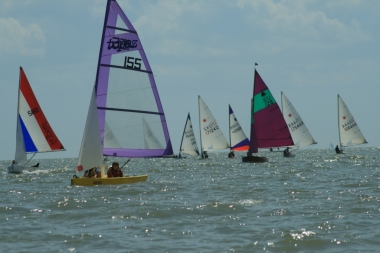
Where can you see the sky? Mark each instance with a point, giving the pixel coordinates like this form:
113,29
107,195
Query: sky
311,50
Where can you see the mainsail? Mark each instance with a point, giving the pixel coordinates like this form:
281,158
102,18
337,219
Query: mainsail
349,132
300,134
212,137
238,139
188,143
126,93
268,127
34,133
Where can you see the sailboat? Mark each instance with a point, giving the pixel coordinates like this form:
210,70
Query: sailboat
298,130
238,139
212,137
188,142
34,133
268,127
349,132
125,105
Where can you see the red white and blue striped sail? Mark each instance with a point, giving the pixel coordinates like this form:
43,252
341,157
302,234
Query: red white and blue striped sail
268,127
126,93
34,133
238,139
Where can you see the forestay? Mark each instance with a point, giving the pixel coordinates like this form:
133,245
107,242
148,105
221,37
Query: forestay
126,93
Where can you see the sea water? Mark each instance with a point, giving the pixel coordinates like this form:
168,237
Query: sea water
314,202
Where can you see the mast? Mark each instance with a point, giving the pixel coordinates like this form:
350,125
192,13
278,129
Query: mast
340,142
183,133
200,129
229,123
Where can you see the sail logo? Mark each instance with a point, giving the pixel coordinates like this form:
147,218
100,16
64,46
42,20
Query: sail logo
348,125
267,99
295,124
121,44
49,133
235,128
189,134
211,128
33,111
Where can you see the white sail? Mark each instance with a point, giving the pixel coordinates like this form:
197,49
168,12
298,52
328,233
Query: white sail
212,137
91,152
150,140
349,132
188,143
298,130
238,139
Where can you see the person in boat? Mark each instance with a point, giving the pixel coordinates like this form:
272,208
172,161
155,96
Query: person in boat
91,173
271,149
287,152
337,150
114,170
14,162
249,153
231,154
205,155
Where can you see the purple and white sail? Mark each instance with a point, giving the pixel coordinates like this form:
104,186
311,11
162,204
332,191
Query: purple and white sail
126,93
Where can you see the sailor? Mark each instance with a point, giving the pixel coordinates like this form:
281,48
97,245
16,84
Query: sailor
114,170
287,152
337,150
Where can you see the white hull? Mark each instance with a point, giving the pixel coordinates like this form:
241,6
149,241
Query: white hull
17,169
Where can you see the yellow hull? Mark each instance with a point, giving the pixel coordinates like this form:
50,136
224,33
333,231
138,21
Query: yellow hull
111,180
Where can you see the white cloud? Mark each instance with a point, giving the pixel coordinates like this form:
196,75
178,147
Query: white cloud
295,19
19,39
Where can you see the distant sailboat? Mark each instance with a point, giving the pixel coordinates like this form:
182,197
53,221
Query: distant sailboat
268,127
349,132
34,133
238,139
298,130
212,137
125,105
188,142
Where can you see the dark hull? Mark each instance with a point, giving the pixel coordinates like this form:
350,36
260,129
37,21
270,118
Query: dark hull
254,159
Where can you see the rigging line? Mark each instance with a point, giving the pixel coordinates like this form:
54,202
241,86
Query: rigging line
127,110
121,29
121,67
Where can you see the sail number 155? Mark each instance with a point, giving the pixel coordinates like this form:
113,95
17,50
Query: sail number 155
132,63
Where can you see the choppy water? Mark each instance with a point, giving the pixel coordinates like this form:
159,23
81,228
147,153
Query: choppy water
315,202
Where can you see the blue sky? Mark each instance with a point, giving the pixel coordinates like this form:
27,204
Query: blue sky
311,50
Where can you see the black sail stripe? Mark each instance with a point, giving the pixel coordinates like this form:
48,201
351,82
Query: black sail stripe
128,110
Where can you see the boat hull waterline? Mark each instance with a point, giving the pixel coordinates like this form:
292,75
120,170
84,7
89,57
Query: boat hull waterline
108,181
254,159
